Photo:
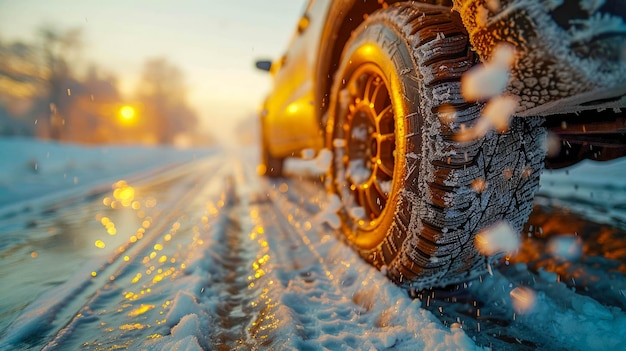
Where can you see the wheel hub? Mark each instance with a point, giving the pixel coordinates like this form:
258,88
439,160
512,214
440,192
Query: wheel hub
369,129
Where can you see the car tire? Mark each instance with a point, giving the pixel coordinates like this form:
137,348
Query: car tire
270,166
413,198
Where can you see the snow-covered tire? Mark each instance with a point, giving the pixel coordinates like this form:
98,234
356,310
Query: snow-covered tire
419,219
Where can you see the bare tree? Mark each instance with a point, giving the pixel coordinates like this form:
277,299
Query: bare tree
163,92
59,49
22,82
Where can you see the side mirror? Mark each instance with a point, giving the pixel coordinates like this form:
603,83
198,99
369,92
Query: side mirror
264,65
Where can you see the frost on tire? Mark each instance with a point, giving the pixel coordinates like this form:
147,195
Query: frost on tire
424,196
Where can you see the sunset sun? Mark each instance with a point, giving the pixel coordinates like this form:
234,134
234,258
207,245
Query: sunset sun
127,113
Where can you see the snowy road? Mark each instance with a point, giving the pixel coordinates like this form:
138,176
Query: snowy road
208,255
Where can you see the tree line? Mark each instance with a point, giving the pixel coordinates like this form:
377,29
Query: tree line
43,94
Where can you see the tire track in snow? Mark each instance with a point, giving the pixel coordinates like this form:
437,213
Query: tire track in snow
110,292
323,296
236,257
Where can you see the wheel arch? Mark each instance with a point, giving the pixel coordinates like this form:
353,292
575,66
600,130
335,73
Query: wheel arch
347,15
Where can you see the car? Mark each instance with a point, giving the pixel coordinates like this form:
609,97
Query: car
378,83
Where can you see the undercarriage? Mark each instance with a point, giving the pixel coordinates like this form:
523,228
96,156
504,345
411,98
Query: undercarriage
591,134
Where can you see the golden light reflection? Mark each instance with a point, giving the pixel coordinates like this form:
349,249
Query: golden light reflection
151,202
259,273
283,188
368,50
136,278
293,108
158,266
212,209
307,225
100,244
133,326
266,320
124,193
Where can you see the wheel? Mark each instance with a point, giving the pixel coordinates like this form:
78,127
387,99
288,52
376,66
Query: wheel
413,198
270,166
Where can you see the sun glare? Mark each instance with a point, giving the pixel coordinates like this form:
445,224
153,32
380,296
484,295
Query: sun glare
127,113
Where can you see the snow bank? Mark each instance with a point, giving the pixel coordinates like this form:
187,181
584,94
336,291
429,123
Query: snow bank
594,189
35,169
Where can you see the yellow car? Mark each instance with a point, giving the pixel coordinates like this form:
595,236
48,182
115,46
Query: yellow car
423,171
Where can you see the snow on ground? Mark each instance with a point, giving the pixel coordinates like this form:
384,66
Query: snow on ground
32,169
594,189
244,262
307,165
552,310
306,290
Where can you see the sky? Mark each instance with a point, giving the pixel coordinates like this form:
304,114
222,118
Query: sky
215,43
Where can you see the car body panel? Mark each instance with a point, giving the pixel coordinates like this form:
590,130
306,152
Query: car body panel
293,115
289,118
